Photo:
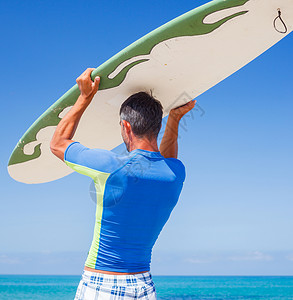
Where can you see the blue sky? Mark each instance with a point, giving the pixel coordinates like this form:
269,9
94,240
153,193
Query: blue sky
234,216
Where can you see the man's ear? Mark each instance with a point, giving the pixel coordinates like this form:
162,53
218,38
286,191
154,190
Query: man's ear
126,125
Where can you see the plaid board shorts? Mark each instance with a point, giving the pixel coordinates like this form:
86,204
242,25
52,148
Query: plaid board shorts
98,286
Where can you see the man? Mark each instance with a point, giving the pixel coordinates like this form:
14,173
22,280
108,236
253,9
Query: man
136,193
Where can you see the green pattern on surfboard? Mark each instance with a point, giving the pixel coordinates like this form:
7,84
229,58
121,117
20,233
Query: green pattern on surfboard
191,24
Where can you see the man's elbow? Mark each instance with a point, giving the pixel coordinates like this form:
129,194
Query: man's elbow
55,149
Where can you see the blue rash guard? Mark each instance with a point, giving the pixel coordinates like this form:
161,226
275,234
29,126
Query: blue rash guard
136,194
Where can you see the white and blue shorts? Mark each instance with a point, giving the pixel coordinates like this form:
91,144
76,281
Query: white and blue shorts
98,286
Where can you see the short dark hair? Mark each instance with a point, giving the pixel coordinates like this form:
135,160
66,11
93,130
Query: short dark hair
144,113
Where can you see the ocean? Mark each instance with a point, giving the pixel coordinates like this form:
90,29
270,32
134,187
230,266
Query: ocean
42,287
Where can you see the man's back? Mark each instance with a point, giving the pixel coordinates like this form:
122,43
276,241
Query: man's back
136,194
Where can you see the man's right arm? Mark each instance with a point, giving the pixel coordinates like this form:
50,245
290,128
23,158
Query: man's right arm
66,128
169,143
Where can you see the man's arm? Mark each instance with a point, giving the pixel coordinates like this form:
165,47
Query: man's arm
67,126
169,143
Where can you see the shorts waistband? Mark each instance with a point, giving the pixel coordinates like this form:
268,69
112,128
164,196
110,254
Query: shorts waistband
126,279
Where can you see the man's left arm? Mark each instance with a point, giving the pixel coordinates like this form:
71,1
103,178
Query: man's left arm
169,143
67,126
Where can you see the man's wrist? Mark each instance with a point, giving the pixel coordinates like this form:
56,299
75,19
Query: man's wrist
84,100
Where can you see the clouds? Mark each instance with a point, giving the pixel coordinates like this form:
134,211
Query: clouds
163,263
8,260
43,263
198,260
234,257
251,256
207,258
290,257
223,263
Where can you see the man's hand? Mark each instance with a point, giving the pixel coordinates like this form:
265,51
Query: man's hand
66,128
178,112
87,87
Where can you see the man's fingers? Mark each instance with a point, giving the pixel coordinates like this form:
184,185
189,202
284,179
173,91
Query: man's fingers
96,84
87,73
186,105
184,109
190,104
193,103
86,85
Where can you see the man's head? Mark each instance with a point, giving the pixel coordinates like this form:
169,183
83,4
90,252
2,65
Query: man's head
140,117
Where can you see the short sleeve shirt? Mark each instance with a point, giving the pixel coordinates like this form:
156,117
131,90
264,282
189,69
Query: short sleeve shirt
136,194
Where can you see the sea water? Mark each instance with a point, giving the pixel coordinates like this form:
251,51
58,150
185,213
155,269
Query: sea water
42,287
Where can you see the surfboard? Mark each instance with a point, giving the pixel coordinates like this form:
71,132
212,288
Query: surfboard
177,62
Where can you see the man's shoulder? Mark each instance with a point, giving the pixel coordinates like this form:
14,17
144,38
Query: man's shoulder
101,160
177,166
175,161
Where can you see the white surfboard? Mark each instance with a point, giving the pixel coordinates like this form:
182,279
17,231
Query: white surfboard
177,62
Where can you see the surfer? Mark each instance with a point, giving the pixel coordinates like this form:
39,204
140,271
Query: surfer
136,192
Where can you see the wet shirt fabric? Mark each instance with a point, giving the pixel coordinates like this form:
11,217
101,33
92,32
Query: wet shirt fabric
136,194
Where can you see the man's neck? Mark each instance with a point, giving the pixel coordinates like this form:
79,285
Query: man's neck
144,144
